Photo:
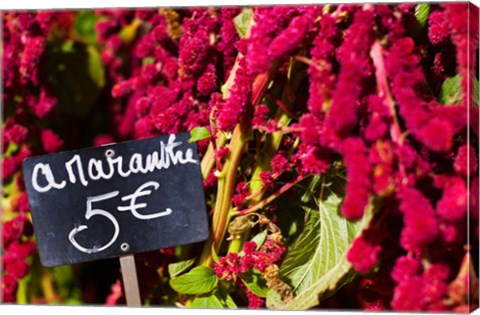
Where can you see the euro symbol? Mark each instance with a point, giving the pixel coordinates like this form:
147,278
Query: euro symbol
134,206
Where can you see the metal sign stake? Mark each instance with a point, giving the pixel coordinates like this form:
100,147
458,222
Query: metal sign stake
130,281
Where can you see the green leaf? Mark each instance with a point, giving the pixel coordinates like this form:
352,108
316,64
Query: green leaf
176,269
95,67
228,302
199,133
214,254
67,47
22,290
147,61
255,283
84,26
451,91
207,301
67,284
129,32
11,149
199,280
316,264
274,300
475,92
260,238
421,13
242,21
225,298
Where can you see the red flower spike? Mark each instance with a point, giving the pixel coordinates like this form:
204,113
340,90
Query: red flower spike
51,142
16,133
363,255
358,184
405,268
421,224
406,296
437,135
453,204
438,31
466,161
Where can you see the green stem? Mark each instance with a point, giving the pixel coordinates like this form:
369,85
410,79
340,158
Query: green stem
49,293
274,140
226,188
227,177
22,291
208,160
265,156
237,244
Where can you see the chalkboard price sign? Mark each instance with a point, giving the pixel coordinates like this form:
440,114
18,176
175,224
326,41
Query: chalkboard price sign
116,199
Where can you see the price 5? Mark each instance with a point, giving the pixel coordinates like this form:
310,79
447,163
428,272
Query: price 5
133,206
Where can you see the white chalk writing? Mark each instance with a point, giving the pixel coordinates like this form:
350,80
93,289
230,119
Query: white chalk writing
132,206
97,169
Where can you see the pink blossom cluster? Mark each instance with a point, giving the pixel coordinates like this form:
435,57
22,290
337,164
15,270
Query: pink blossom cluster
174,91
116,57
18,248
417,290
29,100
397,142
233,266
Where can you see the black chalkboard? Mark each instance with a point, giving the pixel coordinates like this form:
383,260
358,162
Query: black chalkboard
116,199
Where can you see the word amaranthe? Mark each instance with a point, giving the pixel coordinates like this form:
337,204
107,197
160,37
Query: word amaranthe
81,171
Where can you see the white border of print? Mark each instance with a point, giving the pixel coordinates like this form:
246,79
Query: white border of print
76,4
